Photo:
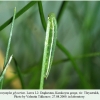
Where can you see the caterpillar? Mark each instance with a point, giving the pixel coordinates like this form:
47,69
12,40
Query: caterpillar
50,43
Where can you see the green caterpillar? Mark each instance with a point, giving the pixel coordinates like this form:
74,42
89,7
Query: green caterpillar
50,43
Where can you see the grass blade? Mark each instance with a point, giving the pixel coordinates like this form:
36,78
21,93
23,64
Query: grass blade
9,41
61,10
19,74
6,62
4,71
24,9
42,15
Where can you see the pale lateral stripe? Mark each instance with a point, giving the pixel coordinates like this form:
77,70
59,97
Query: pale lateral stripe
47,33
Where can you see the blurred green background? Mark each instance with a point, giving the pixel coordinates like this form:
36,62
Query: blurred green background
78,32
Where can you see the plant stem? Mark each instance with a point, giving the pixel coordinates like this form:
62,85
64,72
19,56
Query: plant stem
42,78
61,10
1,84
41,14
8,48
78,57
19,74
24,9
44,26
9,42
66,52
